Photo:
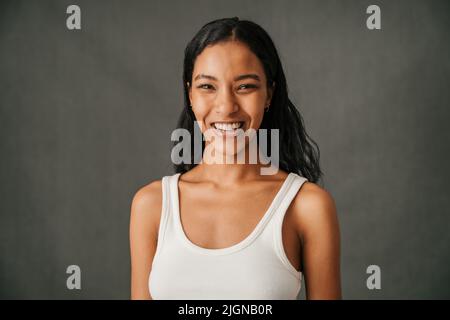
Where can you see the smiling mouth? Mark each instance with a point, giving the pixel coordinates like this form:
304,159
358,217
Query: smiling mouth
227,128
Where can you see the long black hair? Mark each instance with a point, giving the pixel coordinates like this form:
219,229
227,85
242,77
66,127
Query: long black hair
298,153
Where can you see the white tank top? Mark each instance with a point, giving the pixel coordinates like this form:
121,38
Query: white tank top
256,268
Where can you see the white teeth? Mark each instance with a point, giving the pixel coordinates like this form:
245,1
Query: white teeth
227,126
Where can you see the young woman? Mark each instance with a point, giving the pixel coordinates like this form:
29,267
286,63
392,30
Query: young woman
224,230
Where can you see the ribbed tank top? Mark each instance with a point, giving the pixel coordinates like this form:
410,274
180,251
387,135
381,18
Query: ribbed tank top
256,268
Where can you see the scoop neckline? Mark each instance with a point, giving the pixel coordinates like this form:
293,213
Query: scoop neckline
243,243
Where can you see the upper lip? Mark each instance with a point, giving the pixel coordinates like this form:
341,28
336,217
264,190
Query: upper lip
226,121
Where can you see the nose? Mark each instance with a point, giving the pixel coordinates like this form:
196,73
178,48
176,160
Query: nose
226,102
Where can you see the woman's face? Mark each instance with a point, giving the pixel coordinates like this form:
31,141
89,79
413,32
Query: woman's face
229,90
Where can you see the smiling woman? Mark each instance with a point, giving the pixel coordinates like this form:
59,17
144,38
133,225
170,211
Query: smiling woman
195,234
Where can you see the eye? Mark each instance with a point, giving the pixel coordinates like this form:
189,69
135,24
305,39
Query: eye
205,86
247,86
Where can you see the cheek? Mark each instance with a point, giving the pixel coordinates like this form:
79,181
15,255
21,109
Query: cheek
255,100
202,104
199,97
257,120
201,111
254,107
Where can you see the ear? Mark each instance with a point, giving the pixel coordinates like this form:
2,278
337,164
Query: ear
190,92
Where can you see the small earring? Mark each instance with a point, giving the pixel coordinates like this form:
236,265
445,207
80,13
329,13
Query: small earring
267,108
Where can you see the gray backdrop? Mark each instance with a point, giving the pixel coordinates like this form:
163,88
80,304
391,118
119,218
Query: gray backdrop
86,117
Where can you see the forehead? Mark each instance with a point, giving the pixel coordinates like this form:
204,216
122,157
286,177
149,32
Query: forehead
227,58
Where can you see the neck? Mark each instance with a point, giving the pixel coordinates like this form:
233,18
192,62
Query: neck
226,170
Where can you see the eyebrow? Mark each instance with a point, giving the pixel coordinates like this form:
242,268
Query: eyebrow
241,77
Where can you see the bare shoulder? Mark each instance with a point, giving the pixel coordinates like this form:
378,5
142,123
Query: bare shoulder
146,207
148,194
144,221
312,198
314,210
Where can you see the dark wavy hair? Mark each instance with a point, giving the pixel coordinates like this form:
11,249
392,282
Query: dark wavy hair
298,152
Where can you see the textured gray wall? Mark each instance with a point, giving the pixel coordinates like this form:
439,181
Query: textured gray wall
86,117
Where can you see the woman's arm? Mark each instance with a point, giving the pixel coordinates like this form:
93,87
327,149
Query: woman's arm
318,227
144,222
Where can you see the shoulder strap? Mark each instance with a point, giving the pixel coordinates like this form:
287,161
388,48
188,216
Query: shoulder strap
165,213
290,194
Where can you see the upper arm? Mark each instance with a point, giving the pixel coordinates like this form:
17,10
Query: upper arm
144,222
318,227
